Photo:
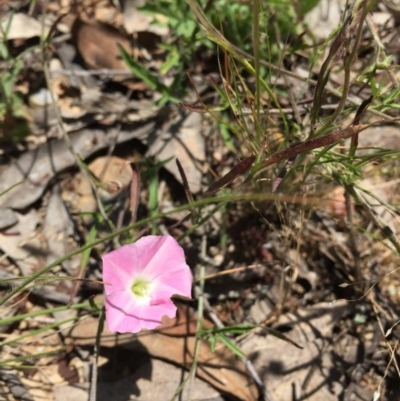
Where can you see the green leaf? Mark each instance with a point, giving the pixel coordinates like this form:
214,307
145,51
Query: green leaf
227,136
186,28
213,342
94,305
173,60
140,71
281,336
229,344
146,76
4,51
240,329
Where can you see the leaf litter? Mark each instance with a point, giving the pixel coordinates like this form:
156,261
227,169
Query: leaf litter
304,257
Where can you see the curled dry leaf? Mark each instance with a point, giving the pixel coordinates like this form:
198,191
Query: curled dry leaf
98,45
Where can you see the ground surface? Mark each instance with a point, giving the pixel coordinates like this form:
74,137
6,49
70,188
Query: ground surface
304,254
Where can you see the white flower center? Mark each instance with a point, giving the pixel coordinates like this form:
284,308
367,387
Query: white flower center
141,288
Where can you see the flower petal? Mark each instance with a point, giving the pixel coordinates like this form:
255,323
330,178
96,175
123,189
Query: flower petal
167,259
124,318
152,247
177,279
118,268
134,317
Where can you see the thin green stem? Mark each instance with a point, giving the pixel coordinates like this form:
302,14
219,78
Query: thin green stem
256,46
18,318
39,331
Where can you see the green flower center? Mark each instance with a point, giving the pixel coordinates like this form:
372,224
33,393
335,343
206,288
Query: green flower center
140,288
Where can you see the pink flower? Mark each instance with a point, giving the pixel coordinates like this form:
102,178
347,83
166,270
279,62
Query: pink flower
139,280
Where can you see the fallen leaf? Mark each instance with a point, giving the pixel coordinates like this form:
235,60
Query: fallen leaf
22,243
58,227
39,166
175,342
181,141
23,27
111,172
98,45
154,380
7,218
388,192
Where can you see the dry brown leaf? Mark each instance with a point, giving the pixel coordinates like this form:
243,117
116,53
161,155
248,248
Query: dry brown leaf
98,45
112,171
175,342
39,166
153,381
23,244
26,245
